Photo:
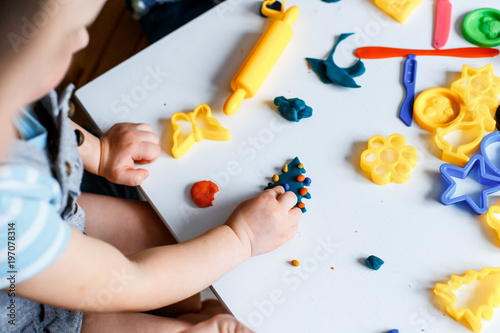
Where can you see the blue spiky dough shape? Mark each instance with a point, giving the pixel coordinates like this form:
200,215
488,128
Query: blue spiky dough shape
290,178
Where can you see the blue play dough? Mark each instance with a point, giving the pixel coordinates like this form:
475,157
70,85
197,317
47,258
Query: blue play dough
329,72
393,331
330,1
289,181
292,109
374,262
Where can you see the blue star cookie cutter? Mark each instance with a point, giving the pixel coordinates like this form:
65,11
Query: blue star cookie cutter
292,179
488,140
485,177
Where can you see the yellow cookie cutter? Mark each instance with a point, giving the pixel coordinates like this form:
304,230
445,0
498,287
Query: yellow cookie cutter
213,130
399,9
263,56
388,160
476,123
492,220
472,318
478,85
438,107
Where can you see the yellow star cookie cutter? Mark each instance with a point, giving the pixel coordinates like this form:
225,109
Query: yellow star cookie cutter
399,9
388,160
487,301
478,85
211,129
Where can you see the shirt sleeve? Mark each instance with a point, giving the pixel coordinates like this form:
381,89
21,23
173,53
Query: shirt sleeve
32,233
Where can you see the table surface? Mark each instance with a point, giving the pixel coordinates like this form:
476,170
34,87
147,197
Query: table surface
349,217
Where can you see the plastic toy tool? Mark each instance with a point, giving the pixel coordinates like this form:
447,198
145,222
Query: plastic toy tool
211,129
292,179
409,77
398,9
443,23
486,297
263,56
482,27
388,160
379,52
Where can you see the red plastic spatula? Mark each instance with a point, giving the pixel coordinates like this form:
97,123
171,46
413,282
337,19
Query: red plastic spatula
376,52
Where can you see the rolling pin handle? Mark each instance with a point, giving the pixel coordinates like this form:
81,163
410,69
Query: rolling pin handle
234,101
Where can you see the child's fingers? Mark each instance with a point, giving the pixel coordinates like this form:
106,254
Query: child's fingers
131,177
147,152
144,127
295,215
288,199
293,231
150,137
276,191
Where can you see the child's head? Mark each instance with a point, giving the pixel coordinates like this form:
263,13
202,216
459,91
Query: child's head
38,38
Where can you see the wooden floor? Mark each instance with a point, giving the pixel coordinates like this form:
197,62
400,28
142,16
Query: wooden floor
114,37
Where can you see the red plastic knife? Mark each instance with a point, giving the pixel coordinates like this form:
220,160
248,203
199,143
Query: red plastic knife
443,23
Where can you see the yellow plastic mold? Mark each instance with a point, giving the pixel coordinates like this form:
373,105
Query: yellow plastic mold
437,107
263,56
210,129
486,300
388,160
478,86
399,9
492,219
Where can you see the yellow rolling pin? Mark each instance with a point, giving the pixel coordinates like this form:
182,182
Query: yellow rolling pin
263,56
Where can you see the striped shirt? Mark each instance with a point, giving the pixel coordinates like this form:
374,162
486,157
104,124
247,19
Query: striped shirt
32,232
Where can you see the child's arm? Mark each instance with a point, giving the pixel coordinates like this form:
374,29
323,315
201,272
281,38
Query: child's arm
91,275
113,156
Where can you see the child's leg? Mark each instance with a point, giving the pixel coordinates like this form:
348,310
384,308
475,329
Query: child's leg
130,322
128,225
131,226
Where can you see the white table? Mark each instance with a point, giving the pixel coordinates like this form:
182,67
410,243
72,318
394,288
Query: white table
349,217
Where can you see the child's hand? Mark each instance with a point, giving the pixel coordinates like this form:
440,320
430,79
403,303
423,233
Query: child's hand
219,324
123,145
267,221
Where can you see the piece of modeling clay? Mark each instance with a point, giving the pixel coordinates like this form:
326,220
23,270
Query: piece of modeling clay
295,263
203,193
292,179
393,331
374,262
329,72
330,1
292,109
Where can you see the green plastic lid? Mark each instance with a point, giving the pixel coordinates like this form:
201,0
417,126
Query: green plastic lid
482,27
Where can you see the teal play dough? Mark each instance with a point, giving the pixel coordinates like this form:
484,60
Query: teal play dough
329,72
290,182
374,262
292,109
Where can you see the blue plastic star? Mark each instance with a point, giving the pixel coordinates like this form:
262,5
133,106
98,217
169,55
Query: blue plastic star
485,178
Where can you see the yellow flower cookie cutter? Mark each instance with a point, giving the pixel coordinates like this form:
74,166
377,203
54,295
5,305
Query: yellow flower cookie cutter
472,317
388,160
399,9
213,130
438,107
478,85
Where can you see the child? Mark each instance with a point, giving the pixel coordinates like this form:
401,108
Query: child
109,264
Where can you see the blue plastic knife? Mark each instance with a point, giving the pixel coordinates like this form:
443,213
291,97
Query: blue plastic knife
409,77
